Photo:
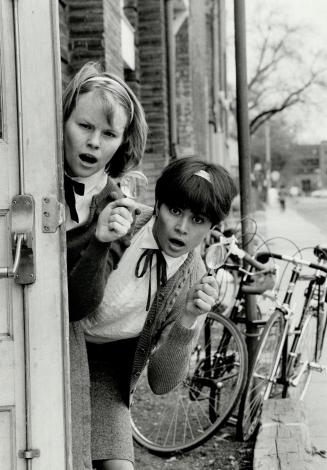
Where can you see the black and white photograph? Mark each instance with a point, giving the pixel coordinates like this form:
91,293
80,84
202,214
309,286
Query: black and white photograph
163,247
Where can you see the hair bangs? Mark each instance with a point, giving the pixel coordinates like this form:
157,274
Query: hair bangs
194,193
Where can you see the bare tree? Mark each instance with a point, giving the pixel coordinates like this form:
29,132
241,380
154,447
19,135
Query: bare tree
283,69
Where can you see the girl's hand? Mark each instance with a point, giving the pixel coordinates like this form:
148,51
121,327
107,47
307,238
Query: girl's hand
200,300
115,220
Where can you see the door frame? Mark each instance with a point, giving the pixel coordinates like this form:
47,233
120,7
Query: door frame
45,304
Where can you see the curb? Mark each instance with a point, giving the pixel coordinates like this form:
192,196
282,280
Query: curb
283,440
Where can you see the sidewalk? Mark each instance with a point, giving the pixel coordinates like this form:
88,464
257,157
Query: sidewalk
291,225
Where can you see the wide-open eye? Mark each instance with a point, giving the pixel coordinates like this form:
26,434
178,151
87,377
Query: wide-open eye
175,210
199,219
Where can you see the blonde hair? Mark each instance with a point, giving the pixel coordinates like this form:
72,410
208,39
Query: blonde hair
91,77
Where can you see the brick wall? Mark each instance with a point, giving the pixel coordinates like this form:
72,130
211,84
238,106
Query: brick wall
193,62
184,99
153,80
86,27
112,37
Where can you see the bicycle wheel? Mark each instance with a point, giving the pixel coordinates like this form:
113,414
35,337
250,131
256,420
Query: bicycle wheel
259,381
192,412
303,352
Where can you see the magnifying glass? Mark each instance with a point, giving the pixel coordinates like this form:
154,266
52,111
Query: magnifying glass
134,184
215,257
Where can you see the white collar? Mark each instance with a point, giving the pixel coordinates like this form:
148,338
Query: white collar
90,182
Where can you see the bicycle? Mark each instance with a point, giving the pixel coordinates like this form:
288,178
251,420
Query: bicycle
278,368
191,413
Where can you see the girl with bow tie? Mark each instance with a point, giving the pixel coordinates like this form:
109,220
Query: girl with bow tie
154,304
104,135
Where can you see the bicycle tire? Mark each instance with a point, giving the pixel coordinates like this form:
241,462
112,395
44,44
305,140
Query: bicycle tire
303,352
258,383
183,419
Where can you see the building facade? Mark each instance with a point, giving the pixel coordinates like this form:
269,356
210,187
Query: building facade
306,167
171,53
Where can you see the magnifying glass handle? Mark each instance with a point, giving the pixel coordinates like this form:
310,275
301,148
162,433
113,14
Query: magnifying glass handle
137,212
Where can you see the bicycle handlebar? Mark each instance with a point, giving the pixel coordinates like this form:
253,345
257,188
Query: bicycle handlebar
252,261
256,264
291,259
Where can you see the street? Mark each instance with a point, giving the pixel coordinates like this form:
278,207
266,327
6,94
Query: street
312,209
304,222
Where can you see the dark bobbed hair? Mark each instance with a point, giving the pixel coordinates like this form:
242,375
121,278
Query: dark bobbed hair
111,88
179,186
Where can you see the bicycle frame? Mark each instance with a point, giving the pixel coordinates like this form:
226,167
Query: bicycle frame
283,353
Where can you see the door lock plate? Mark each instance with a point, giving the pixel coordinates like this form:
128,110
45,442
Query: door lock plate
23,228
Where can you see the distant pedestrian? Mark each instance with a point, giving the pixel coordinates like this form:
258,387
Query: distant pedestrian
282,193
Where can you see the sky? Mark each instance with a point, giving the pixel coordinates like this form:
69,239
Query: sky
311,124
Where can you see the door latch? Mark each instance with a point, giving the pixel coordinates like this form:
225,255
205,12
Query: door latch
22,240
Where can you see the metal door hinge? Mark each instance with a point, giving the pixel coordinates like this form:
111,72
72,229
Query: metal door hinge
53,214
29,454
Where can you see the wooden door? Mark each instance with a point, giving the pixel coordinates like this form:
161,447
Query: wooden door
34,379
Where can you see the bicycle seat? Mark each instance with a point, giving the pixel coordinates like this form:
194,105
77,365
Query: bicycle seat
320,251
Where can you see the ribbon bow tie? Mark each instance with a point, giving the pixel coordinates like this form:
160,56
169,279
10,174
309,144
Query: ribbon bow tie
71,187
147,257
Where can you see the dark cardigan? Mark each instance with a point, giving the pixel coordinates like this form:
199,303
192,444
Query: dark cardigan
87,259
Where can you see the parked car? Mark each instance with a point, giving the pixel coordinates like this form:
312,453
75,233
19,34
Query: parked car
319,193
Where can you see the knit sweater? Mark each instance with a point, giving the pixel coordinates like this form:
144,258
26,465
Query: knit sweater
164,340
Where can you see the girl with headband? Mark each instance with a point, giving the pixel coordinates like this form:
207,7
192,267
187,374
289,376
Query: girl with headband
154,304
104,135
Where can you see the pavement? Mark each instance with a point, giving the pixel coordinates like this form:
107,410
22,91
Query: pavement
272,222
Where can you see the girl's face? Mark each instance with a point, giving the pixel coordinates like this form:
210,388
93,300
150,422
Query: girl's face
178,231
89,140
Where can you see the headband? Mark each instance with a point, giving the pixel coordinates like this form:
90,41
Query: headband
203,174
112,79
